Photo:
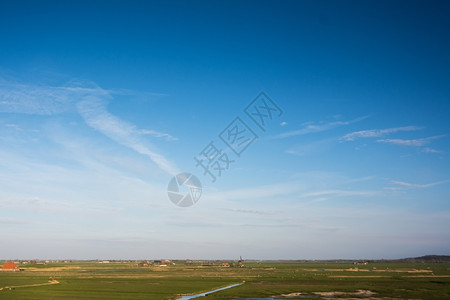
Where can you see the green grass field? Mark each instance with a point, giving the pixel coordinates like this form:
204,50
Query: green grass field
91,280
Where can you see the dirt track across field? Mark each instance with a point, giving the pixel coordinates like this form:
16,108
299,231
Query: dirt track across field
50,282
54,269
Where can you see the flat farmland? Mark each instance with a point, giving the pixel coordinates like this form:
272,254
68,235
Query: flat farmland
262,280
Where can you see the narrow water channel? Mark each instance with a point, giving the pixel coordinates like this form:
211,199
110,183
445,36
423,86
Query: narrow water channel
186,297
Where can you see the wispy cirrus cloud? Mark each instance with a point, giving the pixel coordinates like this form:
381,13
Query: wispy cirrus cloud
158,134
14,126
416,186
308,185
90,101
373,133
93,110
339,193
37,100
412,142
431,150
248,211
316,147
14,221
261,192
308,128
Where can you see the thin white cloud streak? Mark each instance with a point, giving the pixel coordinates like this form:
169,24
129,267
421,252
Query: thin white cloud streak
431,150
339,193
248,211
45,100
313,128
261,192
413,143
158,134
420,186
41,100
14,221
311,148
28,206
290,190
14,126
93,110
377,132
40,182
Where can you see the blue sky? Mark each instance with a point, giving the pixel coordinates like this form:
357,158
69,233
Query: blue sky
100,105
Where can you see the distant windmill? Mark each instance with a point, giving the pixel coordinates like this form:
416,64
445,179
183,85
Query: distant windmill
240,262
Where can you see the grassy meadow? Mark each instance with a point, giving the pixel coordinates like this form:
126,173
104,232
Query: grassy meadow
289,280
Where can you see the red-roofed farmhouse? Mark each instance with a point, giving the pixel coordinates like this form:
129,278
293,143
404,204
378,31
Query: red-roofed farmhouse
10,266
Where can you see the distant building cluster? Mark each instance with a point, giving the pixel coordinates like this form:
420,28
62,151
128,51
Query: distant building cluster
14,265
